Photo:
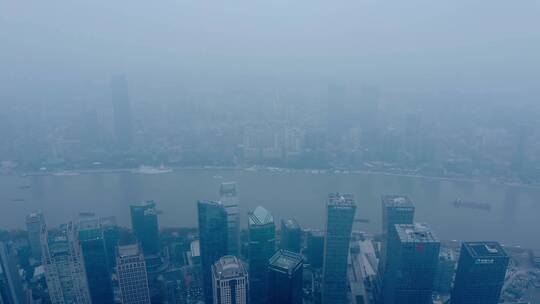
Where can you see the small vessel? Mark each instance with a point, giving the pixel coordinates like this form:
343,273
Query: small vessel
458,203
18,200
152,170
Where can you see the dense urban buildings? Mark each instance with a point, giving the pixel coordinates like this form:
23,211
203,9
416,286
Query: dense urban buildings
340,213
230,283
480,273
64,265
229,197
96,262
411,263
290,235
262,245
144,221
11,289
131,272
212,218
285,278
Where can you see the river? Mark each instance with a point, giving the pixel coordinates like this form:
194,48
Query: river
513,218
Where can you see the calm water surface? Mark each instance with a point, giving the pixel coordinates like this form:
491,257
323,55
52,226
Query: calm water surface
513,218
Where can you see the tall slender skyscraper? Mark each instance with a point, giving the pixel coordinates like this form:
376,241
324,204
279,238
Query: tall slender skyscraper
315,248
340,212
64,266
413,255
144,221
11,290
132,278
396,209
229,198
122,112
95,260
34,222
262,245
291,235
480,274
212,240
111,236
230,281
285,273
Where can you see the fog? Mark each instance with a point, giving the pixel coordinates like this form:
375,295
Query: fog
57,51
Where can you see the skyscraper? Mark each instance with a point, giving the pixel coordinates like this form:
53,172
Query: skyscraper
262,245
315,248
229,281
122,112
396,209
291,235
340,212
64,266
480,273
285,273
212,240
144,222
229,198
131,271
111,235
11,290
95,260
413,253
34,222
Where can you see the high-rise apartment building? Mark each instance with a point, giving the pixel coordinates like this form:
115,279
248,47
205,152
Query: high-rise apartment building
340,213
212,240
480,273
144,221
64,265
229,198
285,275
95,260
34,222
412,259
230,281
262,245
131,272
290,235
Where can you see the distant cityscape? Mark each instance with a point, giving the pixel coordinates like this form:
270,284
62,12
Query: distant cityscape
92,259
339,127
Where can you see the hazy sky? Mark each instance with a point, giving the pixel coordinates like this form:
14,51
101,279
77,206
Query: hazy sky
480,46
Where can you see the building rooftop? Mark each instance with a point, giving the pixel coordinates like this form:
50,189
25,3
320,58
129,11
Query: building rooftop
402,201
229,267
144,204
89,224
484,249
415,233
286,261
341,200
290,224
128,250
227,189
34,216
260,216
